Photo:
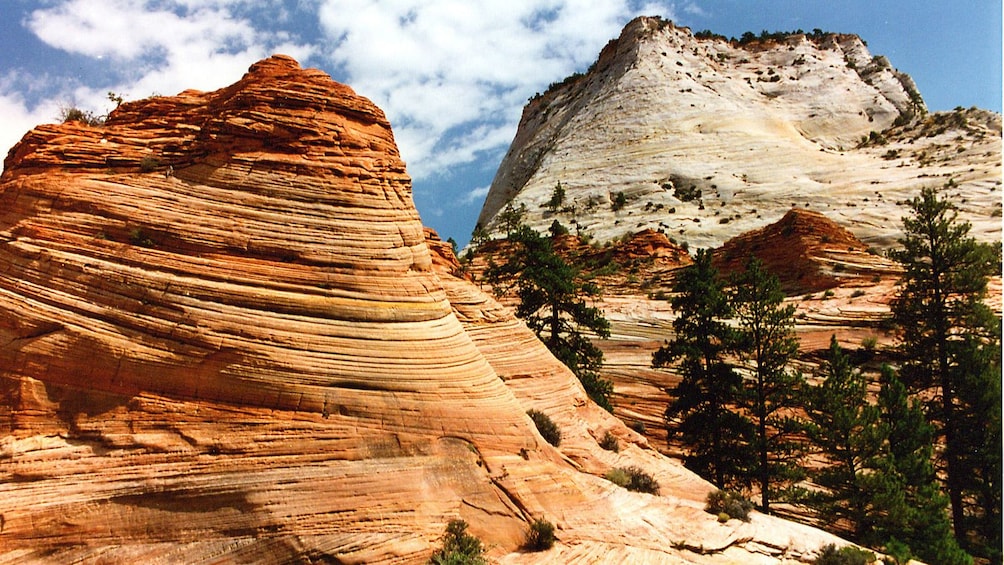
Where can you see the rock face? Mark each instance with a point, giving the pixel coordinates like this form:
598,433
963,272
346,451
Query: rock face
225,335
707,139
807,251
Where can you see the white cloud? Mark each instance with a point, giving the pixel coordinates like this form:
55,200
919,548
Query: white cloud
163,46
452,75
127,29
693,9
18,118
476,195
437,67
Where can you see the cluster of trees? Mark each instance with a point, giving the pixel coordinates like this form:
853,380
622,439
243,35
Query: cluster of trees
915,469
889,462
750,37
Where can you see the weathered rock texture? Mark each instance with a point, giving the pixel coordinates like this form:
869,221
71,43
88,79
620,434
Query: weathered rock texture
807,251
225,336
708,139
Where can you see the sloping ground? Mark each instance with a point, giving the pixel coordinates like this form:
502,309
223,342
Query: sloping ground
223,337
708,139
610,525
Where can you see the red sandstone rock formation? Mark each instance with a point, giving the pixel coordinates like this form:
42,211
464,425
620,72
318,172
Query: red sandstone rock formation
806,250
223,336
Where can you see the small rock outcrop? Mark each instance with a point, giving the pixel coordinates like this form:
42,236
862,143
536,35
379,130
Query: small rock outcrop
226,336
806,250
704,138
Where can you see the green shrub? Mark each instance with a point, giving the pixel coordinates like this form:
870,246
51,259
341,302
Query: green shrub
847,555
633,478
638,427
540,537
547,428
723,517
869,343
609,442
149,164
857,293
729,502
74,114
618,476
459,547
618,202
557,229
140,238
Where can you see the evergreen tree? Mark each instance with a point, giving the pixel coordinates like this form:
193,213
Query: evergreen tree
551,304
951,344
701,411
847,430
979,393
767,345
912,508
557,198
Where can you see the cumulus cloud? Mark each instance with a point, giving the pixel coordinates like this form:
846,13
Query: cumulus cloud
476,195
437,67
693,9
452,75
18,117
164,46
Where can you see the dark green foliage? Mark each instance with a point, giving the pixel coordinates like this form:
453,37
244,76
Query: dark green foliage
141,238
547,428
74,114
701,411
730,503
633,478
609,442
540,536
551,304
912,517
847,431
557,198
149,164
847,555
618,201
766,346
459,547
557,230
686,194
511,218
478,238
952,342
749,37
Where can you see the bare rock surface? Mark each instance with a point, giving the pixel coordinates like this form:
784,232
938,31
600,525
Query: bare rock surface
226,336
707,139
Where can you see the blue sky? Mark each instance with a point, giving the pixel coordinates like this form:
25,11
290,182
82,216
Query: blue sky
452,75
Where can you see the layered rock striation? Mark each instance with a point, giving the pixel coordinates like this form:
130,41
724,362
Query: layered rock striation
226,336
703,139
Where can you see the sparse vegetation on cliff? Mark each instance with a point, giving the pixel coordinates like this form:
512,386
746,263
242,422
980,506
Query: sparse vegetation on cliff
546,426
459,547
551,302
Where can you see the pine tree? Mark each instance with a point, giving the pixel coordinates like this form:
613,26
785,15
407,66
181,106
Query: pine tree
848,432
951,343
718,437
557,198
911,506
767,345
551,304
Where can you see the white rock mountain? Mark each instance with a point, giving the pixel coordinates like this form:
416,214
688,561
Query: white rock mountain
708,138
